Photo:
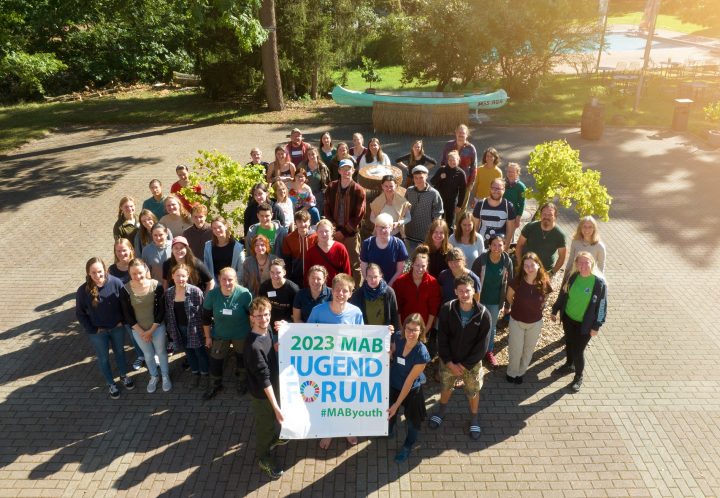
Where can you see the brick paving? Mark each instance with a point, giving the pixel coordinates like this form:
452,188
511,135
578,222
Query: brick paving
645,424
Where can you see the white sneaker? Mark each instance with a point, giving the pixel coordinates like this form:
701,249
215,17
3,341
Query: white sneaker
152,385
166,384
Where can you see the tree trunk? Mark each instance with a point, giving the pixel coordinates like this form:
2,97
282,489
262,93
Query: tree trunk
314,83
269,53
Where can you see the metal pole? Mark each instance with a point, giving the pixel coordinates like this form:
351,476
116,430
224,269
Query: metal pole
602,40
646,57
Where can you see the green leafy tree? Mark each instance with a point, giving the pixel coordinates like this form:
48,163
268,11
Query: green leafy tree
368,69
25,73
559,176
225,184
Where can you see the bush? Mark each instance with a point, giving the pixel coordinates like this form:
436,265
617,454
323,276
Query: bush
712,112
559,176
22,75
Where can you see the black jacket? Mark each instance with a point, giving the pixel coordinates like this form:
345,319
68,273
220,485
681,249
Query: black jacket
129,312
465,345
594,315
390,307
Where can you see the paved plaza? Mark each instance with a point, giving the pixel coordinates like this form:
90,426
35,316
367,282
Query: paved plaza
646,423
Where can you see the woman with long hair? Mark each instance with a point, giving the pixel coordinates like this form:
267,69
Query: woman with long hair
438,241
259,194
177,218
124,253
495,269
223,250
406,380
582,305
315,293
279,291
317,176
466,238
127,223
358,148
526,296
143,307
256,267
374,156
325,148
143,237
302,196
98,309
376,299
343,152
198,273
183,319
586,238
158,252
281,168
391,202
416,157
417,291
284,202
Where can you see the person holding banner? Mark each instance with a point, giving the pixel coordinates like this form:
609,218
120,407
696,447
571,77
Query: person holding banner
463,337
406,380
261,359
338,311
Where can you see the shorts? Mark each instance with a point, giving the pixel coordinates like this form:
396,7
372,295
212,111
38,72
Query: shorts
472,379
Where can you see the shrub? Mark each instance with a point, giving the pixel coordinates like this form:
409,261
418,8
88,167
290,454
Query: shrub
23,74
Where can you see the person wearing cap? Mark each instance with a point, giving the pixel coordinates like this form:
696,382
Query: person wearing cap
426,205
345,206
296,148
198,273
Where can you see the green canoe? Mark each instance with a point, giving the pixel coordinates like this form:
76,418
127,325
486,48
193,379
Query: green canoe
493,100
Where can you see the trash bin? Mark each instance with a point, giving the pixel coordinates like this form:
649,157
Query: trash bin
681,115
592,123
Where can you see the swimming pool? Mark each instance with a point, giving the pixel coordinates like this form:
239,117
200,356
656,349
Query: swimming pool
616,42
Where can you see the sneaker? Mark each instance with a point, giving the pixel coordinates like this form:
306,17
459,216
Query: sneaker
490,357
278,442
128,383
510,379
272,470
114,391
212,391
576,385
519,379
152,385
166,384
137,364
566,369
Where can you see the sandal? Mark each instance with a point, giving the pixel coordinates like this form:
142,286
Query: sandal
352,440
474,432
435,422
459,384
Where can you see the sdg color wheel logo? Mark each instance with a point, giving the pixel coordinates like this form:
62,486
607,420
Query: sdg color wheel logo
309,391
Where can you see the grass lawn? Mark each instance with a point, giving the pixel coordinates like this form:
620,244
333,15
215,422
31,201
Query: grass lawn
671,23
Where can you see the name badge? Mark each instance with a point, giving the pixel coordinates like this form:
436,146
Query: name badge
296,153
272,293
401,361
227,311
443,176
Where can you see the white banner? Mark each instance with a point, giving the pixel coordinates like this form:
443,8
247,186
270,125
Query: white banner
334,380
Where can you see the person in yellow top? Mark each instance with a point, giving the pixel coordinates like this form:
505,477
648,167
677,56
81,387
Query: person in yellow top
485,174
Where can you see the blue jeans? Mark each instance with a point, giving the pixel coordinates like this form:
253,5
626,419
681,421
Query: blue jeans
157,346
196,357
102,341
314,215
494,310
135,345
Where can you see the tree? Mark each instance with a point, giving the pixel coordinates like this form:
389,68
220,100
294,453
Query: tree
225,185
559,176
270,63
369,72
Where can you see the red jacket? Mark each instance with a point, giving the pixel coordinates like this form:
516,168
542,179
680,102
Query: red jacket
424,299
354,207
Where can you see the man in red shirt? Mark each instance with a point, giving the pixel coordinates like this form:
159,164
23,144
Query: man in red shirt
296,149
182,173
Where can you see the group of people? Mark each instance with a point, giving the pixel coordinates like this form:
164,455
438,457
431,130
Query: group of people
437,270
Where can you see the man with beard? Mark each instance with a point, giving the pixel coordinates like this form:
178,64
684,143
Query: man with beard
296,148
545,239
495,215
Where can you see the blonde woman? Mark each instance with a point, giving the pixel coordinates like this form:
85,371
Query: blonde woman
127,223
586,239
177,218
